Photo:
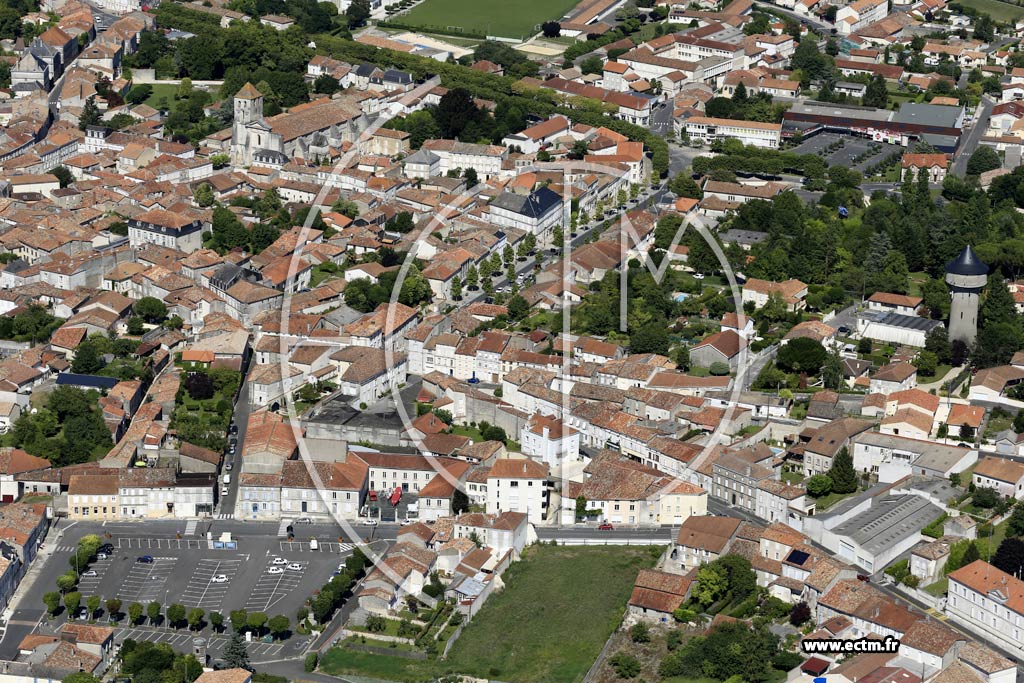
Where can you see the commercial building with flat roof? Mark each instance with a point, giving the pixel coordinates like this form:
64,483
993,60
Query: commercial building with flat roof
877,536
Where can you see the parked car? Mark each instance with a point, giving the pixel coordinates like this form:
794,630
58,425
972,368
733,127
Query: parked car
220,578
275,570
102,556
224,490
107,548
82,614
145,559
370,522
407,521
606,527
278,561
294,567
89,572
304,520
864,577
228,467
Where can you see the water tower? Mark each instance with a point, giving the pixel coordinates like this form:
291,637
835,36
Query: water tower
966,276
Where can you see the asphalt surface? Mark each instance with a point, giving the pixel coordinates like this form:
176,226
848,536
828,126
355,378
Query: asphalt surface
188,571
226,506
969,142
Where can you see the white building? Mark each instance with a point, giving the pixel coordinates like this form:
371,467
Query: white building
550,440
756,133
518,485
987,600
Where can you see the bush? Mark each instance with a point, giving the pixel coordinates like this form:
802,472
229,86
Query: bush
626,666
719,369
819,485
786,661
309,664
640,632
985,497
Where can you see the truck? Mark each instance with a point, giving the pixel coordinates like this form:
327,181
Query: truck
227,478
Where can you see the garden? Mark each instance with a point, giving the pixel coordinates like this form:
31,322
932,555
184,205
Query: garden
204,405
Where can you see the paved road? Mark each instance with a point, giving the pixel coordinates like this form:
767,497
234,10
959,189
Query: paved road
969,142
241,417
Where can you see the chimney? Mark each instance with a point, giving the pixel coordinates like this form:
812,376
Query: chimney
547,432
524,472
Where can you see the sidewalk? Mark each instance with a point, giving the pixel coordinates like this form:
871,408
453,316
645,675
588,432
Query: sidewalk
35,569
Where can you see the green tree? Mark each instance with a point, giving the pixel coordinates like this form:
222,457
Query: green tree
92,603
256,621
87,360
135,613
63,175
239,619
90,115
842,474
72,601
52,602
153,611
113,607
983,159
203,195
802,355
877,94
176,615
651,338
712,584
1015,526
195,618
151,309
235,654
279,626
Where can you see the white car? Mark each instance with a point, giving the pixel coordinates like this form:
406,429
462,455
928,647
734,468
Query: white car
341,566
407,521
220,578
370,522
275,570
278,560
90,572
224,490
698,276
295,567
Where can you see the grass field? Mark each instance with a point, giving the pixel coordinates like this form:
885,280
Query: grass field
485,17
1000,11
558,608
162,95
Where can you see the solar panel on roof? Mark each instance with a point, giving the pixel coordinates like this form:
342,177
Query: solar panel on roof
797,557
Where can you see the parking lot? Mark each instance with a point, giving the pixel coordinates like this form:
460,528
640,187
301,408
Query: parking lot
209,583
145,582
271,588
853,147
182,641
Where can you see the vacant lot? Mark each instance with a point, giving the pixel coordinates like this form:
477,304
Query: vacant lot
559,606
485,17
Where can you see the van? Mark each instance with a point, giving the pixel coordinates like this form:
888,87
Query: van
227,478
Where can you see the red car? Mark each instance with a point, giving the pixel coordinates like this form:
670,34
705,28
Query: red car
606,527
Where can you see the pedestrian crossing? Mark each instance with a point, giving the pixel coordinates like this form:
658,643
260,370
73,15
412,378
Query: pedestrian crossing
226,515
190,528
65,548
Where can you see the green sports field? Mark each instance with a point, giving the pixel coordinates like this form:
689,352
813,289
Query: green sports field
505,18
1000,11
